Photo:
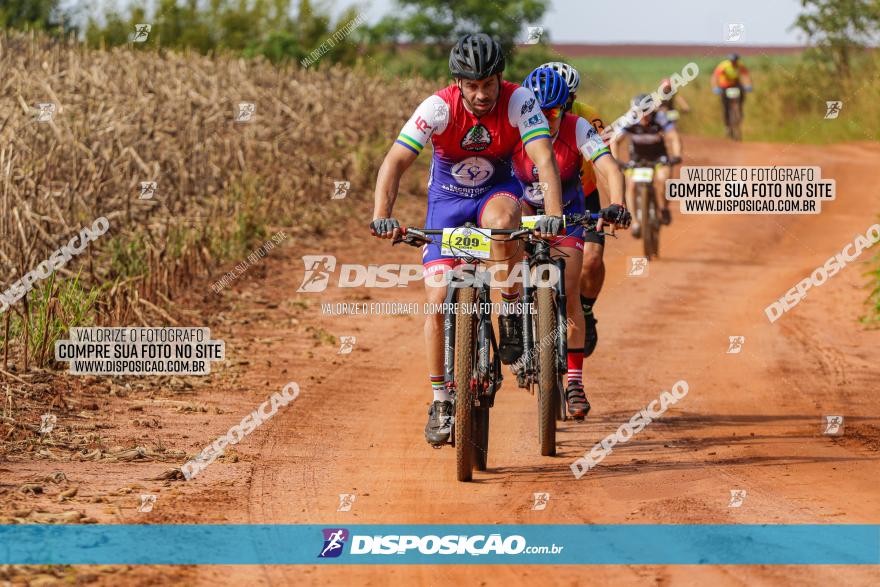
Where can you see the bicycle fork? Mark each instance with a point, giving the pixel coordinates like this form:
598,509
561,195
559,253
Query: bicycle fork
561,319
487,361
528,334
449,338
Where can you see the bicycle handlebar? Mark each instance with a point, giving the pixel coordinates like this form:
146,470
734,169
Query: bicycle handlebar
419,236
651,162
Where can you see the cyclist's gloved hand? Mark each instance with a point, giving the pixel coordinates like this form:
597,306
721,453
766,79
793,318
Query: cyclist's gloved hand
618,215
716,91
747,88
385,227
675,161
550,225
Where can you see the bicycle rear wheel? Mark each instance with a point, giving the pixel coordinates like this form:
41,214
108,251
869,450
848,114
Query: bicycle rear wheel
465,338
548,391
481,438
654,221
647,212
736,119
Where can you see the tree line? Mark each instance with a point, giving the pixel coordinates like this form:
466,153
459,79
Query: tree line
292,30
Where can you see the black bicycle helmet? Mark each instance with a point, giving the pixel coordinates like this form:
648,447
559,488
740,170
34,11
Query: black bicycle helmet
734,57
476,57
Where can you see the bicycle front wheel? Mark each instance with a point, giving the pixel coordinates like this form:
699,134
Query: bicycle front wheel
548,391
465,339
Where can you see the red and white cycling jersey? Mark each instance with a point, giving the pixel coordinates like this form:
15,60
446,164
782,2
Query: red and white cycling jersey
471,155
576,140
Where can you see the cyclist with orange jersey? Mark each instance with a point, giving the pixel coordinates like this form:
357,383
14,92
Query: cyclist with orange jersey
730,73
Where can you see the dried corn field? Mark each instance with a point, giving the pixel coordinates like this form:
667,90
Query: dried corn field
124,116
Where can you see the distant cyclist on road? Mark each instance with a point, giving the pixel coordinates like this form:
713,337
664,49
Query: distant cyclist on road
653,138
675,102
474,126
730,73
593,270
574,141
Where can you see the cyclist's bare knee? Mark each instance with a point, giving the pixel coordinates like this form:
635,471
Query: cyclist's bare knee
593,260
501,212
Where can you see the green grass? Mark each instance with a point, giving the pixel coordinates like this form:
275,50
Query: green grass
873,301
54,307
787,105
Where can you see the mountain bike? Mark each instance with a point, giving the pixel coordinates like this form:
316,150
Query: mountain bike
647,211
472,366
733,104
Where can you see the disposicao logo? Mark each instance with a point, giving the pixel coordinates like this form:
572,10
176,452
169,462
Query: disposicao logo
334,540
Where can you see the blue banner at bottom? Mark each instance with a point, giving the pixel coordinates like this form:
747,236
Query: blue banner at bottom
612,544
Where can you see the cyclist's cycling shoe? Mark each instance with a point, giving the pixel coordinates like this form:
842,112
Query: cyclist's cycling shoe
578,406
511,347
439,425
665,216
519,370
636,229
592,336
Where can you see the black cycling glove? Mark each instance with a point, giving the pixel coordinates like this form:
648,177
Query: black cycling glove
549,224
381,226
618,215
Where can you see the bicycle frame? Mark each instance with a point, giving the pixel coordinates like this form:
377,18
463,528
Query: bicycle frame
487,361
541,256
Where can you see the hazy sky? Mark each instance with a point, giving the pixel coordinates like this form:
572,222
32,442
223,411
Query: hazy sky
645,21
618,21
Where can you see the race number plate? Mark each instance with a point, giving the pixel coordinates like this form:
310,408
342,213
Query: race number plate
466,242
732,93
673,115
643,174
531,221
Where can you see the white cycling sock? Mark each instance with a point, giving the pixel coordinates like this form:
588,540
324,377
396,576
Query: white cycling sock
441,394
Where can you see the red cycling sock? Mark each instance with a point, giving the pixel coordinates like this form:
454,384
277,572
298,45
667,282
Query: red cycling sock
575,366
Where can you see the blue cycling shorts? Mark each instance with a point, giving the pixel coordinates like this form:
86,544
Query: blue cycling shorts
450,211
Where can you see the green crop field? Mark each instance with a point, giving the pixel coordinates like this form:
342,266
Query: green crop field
787,105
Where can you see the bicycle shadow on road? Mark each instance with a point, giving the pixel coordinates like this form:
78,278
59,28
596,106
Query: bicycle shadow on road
675,443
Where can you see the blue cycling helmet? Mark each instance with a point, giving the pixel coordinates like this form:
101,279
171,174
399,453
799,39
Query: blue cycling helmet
549,87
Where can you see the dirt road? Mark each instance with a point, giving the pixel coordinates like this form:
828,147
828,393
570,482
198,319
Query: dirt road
751,421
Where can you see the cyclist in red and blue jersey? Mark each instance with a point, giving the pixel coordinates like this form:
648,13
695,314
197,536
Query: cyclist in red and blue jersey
474,125
574,140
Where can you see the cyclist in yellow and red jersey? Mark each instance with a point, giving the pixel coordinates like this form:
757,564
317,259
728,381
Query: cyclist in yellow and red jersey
574,140
730,73
593,268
